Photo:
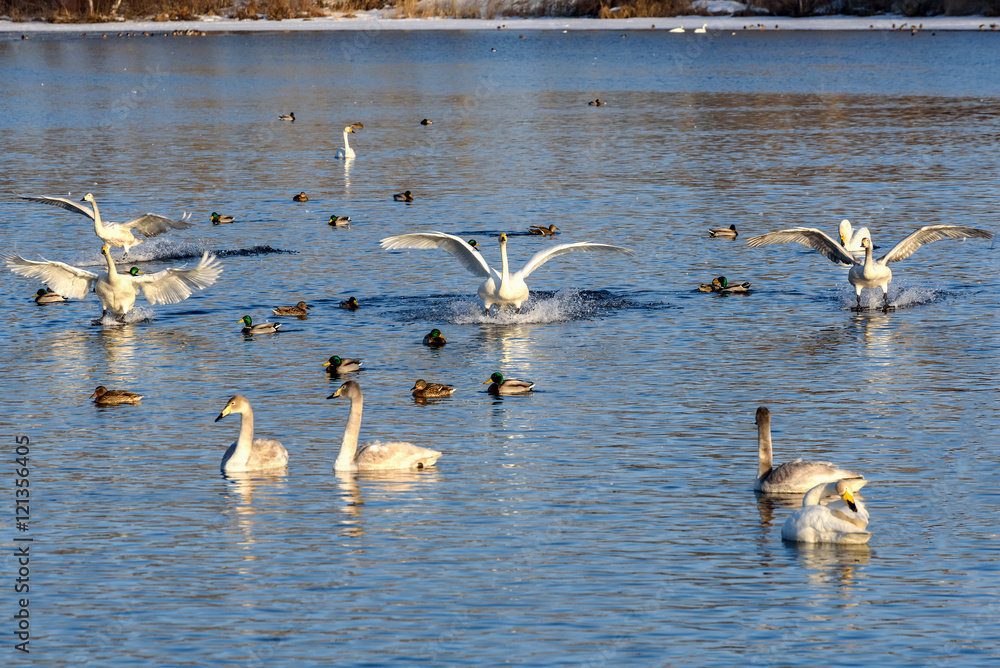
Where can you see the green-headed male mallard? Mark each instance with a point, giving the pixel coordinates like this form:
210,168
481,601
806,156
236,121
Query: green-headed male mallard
220,219
404,196
351,304
507,386
46,296
337,365
339,221
263,328
434,339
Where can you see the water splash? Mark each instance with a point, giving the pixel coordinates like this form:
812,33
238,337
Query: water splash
541,308
136,315
900,296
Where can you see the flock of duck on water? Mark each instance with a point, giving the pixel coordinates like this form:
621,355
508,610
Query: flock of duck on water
832,510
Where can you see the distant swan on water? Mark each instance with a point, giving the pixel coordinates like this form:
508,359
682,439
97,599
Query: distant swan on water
249,453
347,151
377,455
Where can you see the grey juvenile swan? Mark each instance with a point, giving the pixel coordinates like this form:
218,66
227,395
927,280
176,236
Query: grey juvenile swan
377,455
249,453
796,476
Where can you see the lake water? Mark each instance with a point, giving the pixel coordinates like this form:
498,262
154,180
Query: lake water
607,520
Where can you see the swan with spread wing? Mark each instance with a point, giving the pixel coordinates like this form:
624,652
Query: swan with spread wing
502,288
868,273
117,292
117,234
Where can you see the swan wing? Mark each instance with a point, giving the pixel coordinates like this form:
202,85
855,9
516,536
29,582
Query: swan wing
470,258
62,203
67,280
174,285
807,236
543,256
929,233
151,224
379,455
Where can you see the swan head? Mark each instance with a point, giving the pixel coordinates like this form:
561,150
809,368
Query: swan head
503,238
844,491
763,416
99,392
497,378
134,271
246,320
866,242
236,404
350,389
88,198
105,250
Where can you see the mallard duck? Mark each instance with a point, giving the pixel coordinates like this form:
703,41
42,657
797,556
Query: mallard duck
339,221
797,476
721,284
596,103
543,231
301,309
724,232
301,197
475,244
377,455
347,151
117,234
249,453
816,523
434,339
426,121
869,273
102,396
46,296
337,365
220,219
287,117
263,328
502,289
117,292
404,196
509,386
350,304
424,390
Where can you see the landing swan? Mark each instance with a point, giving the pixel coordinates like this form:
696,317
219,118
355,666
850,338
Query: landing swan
117,234
347,151
869,273
117,292
249,453
375,456
815,523
850,238
797,476
500,288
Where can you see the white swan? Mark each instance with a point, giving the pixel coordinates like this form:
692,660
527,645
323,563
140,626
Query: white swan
850,238
375,456
702,30
501,288
117,234
815,523
117,291
249,453
347,151
797,476
677,29
869,273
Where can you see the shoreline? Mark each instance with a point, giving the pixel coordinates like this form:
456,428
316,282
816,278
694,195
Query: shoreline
214,24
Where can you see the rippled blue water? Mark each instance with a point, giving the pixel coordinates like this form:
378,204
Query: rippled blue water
607,520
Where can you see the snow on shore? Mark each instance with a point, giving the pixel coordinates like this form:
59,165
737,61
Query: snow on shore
372,22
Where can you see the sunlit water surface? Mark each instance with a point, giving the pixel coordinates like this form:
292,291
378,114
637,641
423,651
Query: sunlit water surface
608,519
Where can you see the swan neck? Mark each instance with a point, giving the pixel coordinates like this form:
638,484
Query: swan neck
346,145
503,260
111,263
764,456
349,446
244,445
818,493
